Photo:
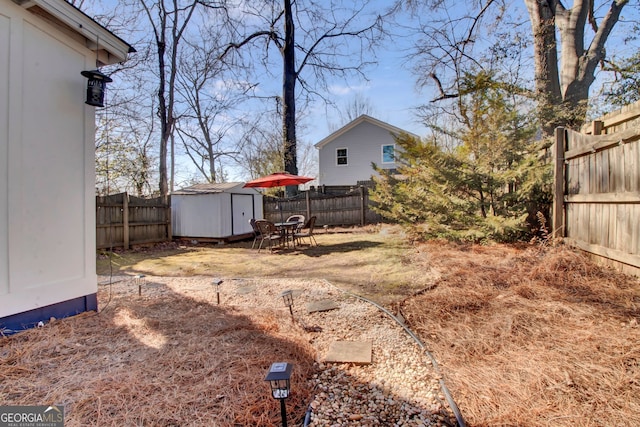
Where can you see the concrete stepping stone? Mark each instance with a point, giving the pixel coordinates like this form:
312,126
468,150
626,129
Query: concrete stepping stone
245,290
322,305
349,352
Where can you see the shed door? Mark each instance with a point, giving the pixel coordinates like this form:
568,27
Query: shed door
242,209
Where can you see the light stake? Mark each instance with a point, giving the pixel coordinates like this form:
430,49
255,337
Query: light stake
287,296
217,283
140,280
279,377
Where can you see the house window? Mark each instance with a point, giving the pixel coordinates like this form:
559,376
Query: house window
341,156
388,153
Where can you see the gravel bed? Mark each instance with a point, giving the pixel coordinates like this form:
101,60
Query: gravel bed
399,387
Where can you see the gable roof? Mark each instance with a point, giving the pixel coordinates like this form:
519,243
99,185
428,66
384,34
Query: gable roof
363,118
215,187
110,48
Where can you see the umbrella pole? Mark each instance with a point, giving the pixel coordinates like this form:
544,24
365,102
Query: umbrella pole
280,209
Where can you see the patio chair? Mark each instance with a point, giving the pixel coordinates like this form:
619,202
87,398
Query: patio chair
297,218
299,227
307,232
256,232
269,233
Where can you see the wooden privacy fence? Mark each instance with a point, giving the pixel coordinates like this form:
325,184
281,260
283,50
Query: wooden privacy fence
337,209
123,220
597,191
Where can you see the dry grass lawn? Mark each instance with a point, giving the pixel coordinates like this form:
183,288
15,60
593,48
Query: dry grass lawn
525,336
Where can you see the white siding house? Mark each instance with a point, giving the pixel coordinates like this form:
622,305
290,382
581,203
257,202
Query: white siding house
47,167
345,156
218,211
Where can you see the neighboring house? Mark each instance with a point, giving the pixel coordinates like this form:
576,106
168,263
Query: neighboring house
215,211
345,156
47,161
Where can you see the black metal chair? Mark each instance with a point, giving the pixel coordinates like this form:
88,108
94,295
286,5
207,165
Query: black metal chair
269,233
301,234
256,232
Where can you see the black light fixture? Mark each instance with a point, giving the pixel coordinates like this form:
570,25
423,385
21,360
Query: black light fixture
287,296
96,87
279,377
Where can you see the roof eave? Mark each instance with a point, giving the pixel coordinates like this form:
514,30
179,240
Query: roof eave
110,48
363,118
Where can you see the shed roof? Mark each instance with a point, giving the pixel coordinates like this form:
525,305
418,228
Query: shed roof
110,48
363,118
216,187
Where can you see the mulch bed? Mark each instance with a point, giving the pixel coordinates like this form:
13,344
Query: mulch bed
532,336
157,361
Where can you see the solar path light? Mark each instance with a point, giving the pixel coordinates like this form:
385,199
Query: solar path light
140,280
287,296
217,283
279,376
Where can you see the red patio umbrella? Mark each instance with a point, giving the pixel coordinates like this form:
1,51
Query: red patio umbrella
278,179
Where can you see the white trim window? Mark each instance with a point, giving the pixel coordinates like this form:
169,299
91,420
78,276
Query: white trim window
341,157
388,153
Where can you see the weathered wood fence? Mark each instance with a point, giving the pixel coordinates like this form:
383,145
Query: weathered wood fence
330,209
123,220
597,188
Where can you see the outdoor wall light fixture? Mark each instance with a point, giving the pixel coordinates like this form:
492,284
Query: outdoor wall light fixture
96,87
279,377
217,283
287,296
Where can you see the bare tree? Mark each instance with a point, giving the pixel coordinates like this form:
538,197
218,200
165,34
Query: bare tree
169,21
310,37
261,150
213,93
565,69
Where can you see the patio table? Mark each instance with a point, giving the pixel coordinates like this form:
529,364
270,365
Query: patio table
288,229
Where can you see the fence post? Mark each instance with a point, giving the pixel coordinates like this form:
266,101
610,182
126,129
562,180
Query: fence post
557,220
125,219
308,200
363,206
596,127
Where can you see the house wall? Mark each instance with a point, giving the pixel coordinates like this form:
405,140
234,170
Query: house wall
364,145
47,223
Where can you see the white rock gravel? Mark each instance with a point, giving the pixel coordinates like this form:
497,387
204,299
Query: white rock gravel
399,387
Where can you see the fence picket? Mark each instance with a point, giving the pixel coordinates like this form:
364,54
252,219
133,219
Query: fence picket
123,220
600,196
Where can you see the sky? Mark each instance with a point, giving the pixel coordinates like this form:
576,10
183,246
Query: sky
390,90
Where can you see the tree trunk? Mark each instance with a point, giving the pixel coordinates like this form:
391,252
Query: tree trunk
165,130
289,97
563,96
546,77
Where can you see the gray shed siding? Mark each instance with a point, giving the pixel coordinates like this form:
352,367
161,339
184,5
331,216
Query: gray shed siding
364,145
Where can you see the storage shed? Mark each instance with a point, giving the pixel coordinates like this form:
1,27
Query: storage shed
215,211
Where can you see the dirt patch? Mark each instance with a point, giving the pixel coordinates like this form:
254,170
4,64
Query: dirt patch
532,337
